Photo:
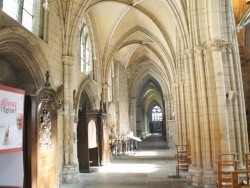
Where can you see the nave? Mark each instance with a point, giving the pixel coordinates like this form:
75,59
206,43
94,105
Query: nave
152,166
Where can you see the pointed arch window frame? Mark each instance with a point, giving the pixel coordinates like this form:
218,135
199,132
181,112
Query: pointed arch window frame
85,51
156,113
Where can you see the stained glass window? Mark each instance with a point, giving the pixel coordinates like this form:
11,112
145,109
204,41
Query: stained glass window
156,114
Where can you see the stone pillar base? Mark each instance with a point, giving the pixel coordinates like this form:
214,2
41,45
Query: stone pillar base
209,178
70,174
195,176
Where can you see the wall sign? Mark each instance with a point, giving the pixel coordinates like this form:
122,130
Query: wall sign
11,119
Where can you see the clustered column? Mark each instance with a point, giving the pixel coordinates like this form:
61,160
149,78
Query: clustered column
195,170
133,115
70,170
220,125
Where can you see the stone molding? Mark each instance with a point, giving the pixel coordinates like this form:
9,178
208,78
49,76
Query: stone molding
189,52
68,60
46,6
167,97
176,84
199,48
133,100
105,86
216,44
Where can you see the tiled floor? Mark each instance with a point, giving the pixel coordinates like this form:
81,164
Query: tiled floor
153,166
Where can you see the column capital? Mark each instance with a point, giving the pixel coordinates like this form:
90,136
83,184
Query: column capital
216,44
176,84
133,100
189,52
46,6
68,60
167,97
105,86
229,46
199,48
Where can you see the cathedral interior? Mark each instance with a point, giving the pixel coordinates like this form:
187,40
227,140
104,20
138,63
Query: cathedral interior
98,70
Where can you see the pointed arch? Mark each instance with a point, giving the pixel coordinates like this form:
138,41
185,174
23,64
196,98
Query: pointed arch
23,46
89,87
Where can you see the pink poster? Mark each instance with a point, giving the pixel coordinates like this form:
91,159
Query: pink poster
11,119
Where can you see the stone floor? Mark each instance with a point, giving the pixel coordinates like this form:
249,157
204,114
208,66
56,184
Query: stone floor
153,166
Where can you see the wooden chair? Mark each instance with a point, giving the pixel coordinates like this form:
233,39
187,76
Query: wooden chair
235,181
189,152
247,164
182,162
227,163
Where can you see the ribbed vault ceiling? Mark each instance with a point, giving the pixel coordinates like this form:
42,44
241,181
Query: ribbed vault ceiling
130,30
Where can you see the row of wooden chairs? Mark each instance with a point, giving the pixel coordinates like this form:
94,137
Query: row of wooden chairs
183,157
228,174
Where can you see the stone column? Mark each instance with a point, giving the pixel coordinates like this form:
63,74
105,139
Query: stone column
195,113
178,115
167,116
138,118
240,99
133,115
70,169
240,91
220,130
234,104
209,175
188,57
46,9
184,136
195,171
105,87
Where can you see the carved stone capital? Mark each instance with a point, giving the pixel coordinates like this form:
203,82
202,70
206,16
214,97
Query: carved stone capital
229,46
133,100
46,6
68,60
105,86
189,52
167,97
199,48
216,44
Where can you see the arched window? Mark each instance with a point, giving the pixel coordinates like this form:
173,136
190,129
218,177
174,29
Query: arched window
156,114
85,51
26,12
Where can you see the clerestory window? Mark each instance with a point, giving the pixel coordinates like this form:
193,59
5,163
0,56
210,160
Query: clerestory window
26,12
85,51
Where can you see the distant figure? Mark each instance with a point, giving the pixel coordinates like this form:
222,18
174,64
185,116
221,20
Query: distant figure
14,134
